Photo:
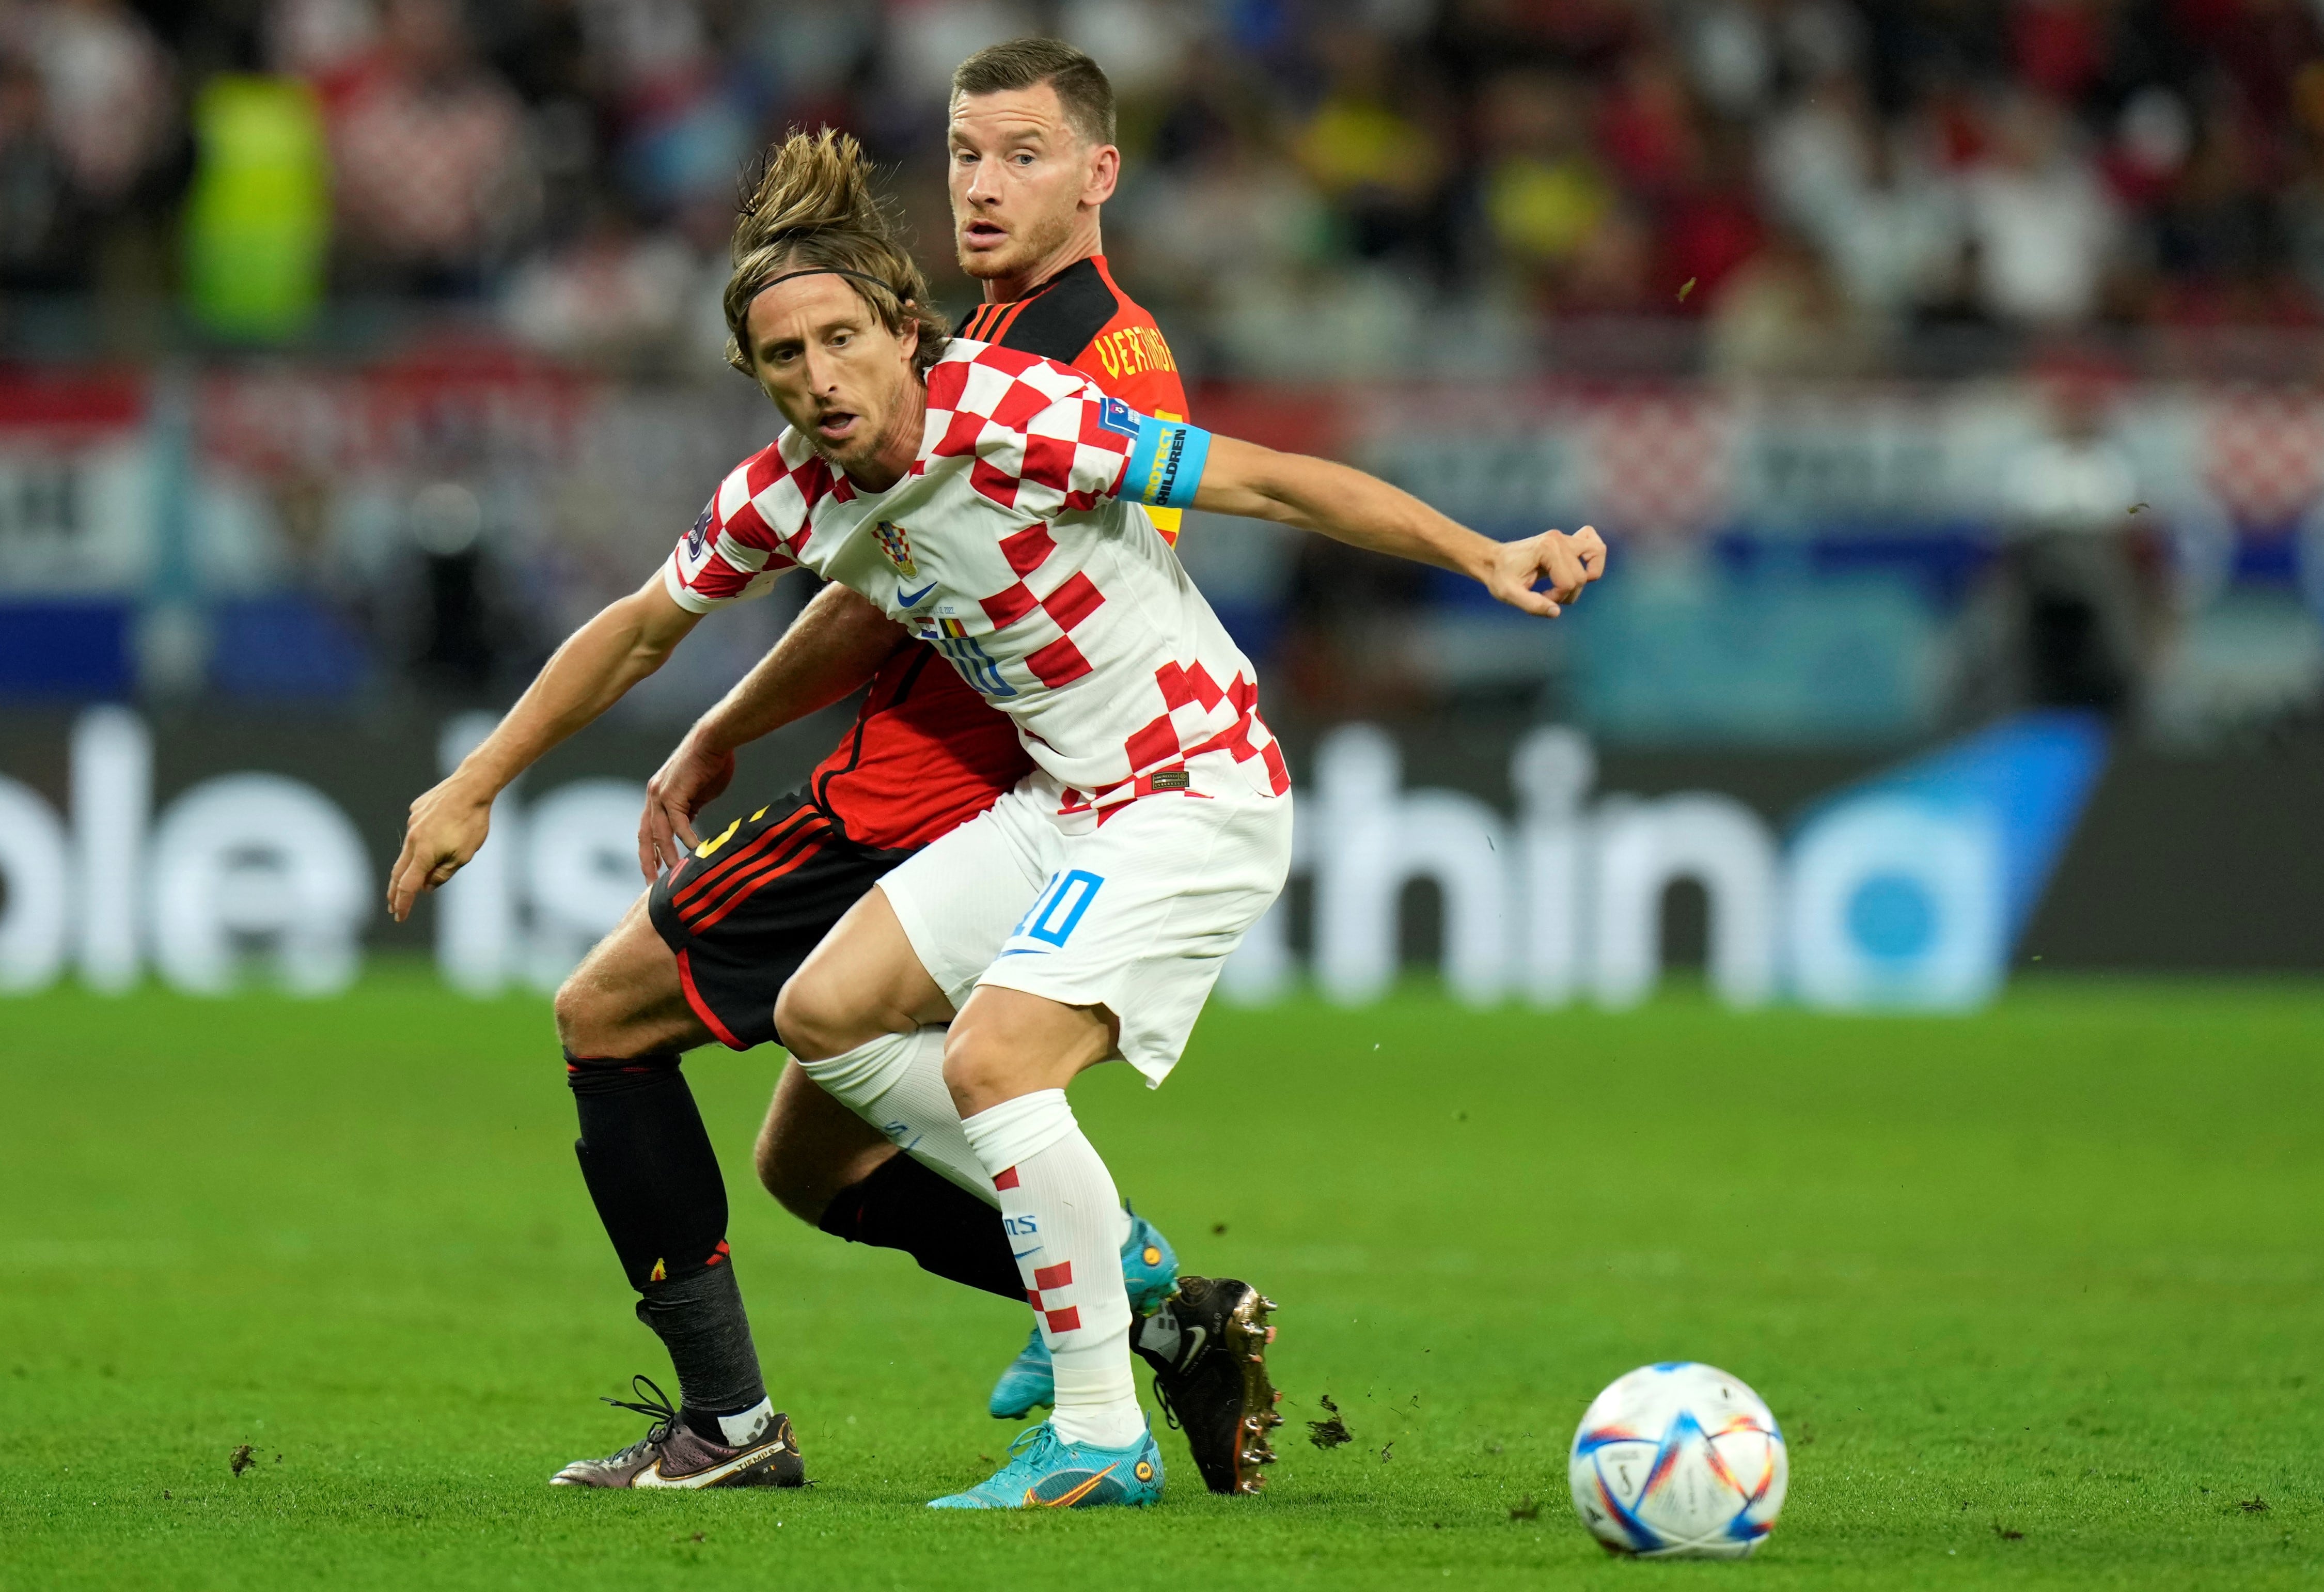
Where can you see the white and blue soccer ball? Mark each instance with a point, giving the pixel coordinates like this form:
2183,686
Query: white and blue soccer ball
1679,1461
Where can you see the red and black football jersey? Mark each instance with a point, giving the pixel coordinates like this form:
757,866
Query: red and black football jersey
1080,318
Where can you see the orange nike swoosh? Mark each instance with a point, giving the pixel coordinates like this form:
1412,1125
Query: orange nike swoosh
1072,1498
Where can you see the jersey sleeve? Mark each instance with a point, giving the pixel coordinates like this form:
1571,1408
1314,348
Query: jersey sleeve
732,552
1044,439
1132,361
1035,433
1134,364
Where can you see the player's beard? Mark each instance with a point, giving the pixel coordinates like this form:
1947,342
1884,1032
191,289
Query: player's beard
865,447
1027,245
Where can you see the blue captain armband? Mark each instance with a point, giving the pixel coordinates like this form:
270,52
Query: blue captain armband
1166,460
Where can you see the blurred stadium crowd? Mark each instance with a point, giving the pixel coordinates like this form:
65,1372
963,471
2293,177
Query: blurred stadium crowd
1763,186
1926,357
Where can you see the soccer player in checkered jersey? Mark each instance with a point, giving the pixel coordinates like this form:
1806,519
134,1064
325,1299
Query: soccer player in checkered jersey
994,502
1032,161
721,930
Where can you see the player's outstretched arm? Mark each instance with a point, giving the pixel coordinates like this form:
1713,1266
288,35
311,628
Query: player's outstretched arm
837,643
627,640
1363,511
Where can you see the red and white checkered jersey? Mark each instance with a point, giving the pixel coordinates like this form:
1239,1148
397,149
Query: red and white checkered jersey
1007,547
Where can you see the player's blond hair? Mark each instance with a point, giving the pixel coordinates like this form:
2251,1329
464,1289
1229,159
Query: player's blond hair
814,207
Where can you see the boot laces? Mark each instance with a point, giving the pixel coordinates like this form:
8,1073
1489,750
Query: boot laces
651,1401
1162,1398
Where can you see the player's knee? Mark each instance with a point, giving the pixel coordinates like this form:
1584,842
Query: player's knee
814,1020
977,1071
577,1009
595,1016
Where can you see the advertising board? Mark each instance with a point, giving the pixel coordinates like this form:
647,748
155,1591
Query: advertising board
1905,889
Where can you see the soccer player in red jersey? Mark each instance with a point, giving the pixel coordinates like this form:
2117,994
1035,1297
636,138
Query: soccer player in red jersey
729,916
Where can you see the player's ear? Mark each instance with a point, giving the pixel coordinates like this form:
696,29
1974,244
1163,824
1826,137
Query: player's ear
1104,172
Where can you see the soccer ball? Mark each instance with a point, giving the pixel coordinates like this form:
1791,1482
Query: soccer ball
1678,1461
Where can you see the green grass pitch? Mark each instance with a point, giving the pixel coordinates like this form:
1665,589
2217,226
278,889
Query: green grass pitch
2038,1296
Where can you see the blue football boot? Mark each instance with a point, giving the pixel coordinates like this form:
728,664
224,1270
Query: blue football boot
1046,1472
1149,1268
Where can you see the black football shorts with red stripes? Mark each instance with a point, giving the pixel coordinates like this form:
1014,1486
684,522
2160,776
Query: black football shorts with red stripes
743,911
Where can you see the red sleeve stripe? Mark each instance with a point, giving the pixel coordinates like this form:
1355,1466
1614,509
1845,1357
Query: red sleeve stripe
997,324
717,580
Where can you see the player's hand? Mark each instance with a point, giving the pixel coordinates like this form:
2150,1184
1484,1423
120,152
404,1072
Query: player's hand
689,781
1566,562
446,827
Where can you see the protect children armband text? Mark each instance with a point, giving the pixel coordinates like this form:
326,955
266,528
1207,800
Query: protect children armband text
1166,460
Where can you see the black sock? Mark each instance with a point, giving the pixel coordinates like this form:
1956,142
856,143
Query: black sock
699,1318
947,1229
655,1179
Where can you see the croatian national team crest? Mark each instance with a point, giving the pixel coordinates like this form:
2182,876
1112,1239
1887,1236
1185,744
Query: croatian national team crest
898,546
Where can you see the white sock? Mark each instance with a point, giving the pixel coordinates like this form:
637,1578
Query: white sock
896,1083
1067,1224
741,1430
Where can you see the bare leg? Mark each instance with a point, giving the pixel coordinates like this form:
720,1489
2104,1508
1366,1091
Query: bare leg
624,999
812,1147
1006,1044
862,981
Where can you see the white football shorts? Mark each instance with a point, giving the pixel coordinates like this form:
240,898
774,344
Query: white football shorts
1136,915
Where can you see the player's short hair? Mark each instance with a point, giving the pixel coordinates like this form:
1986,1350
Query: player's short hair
813,207
1081,84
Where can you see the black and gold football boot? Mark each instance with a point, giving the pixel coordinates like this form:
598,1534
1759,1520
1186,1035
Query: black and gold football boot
1208,1348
